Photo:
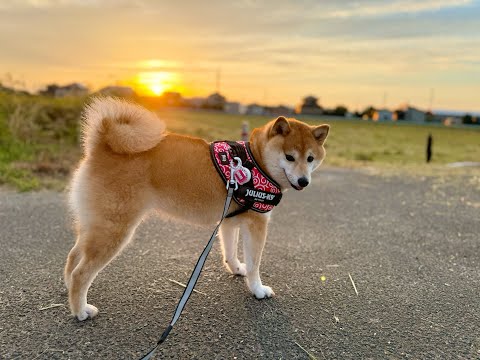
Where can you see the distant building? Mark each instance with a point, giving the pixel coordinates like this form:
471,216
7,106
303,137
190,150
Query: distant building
254,109
70,90
408,113
279,110
309,106
74,89
382,115
195,102
414,115
447,118
452,120
171,98
215,101
49,90
232,107
118,91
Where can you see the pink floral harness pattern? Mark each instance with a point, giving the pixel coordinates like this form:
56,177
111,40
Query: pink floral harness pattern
261,194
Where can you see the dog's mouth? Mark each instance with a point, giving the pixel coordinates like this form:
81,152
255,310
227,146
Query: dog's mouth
299,188
296,187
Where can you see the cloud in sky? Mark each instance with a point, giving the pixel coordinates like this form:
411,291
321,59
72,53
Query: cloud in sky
343,51
357,9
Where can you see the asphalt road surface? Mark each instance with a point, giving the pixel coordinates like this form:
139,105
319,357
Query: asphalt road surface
411,247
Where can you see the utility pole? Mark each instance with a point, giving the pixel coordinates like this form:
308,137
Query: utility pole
217,81
430,104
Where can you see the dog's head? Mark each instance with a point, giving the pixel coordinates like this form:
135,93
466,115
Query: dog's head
292,150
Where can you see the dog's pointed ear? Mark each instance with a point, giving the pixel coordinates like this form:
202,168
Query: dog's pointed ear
280,127
320,133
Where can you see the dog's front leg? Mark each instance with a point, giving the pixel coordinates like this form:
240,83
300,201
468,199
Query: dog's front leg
255,235
229,241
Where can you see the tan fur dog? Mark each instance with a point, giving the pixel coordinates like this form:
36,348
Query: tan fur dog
132,166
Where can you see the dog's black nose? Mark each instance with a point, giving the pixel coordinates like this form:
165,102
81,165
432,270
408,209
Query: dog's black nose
303,181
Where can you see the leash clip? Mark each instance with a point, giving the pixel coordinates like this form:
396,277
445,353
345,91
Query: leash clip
233,168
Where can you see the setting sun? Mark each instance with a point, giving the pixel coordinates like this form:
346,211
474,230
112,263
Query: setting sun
155,82
157,89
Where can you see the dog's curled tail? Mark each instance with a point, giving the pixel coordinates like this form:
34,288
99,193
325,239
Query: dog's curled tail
125,127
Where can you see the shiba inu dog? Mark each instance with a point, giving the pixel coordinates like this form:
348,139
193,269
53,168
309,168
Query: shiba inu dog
132,166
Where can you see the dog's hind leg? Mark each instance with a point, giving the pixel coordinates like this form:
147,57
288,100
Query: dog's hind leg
72,261
229,240
97,245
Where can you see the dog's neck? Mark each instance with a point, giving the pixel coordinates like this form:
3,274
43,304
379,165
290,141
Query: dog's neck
255,140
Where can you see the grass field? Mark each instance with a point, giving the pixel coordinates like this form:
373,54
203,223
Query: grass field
40,146
351,142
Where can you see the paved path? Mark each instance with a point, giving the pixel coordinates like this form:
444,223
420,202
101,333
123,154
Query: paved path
411,247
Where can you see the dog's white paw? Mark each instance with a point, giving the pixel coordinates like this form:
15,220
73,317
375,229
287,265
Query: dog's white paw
89,311
262,291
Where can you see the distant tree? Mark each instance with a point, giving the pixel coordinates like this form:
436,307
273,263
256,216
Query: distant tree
467,119
368,112
429,116
310,101
309,106
399,114
340,110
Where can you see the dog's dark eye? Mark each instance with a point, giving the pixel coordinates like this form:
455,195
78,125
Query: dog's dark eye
289,157
310,159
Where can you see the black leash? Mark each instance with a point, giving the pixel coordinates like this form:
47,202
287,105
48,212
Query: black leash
231,185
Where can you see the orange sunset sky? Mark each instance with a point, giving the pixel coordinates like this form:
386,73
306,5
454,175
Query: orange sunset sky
356,53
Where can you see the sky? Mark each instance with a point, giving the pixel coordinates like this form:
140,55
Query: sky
355,53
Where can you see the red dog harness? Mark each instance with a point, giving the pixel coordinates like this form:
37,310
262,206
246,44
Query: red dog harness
256,190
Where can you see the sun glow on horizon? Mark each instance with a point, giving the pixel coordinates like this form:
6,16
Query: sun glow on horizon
155,83
157,89
156,64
